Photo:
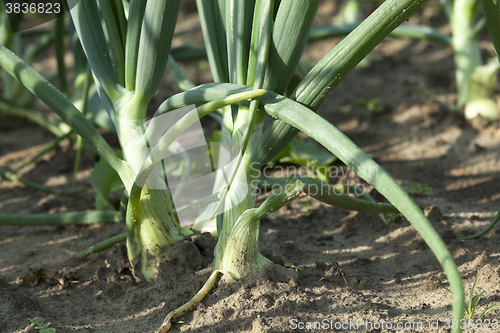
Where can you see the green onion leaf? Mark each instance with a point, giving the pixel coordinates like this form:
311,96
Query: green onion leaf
158,26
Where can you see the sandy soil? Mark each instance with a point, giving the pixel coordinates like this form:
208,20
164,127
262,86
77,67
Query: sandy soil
352,267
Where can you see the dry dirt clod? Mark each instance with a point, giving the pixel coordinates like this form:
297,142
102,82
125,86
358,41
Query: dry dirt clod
273,257
430,284
481,260
117,260
433,213
259,325
185,253
479,123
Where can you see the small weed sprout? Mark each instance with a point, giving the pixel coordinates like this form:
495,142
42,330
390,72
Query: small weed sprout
421,190
375,105
292,265
31,251
424,94
40,325
470,308
304,204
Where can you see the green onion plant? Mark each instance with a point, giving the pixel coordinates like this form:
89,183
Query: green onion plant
253,48
475,81
492,17
17,101
12,89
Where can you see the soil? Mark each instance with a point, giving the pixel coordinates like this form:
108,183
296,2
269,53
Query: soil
352,267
